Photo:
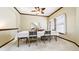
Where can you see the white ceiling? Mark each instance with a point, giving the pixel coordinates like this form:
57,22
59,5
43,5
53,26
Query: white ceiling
27,10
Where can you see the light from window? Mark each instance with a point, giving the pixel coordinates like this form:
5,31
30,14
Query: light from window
61,24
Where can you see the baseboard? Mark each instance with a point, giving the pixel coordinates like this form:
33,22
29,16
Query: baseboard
6,43
69,41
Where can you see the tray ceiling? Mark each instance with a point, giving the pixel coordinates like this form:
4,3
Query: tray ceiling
28,10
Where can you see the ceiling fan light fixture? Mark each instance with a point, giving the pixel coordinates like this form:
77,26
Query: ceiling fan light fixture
39,10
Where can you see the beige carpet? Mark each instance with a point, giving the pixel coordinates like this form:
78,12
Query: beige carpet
60,45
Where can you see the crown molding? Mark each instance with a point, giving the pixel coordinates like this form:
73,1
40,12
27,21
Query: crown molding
55,11
37,15
17,10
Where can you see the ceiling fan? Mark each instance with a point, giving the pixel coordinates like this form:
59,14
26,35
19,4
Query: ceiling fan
38,10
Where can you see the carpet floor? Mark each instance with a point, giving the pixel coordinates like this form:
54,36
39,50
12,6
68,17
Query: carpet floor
59,45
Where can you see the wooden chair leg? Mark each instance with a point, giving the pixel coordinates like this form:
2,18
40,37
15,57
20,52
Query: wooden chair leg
37,42
55,37
26,40
29,42
38,39
18,42
49,38
44,39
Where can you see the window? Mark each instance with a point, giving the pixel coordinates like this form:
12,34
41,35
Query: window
61,24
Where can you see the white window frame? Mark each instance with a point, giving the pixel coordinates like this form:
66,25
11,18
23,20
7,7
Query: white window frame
61,24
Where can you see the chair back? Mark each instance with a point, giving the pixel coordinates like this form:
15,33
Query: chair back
32,33
47,33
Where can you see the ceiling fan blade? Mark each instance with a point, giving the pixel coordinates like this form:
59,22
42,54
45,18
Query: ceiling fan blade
43,8
36,7
33,11
42,12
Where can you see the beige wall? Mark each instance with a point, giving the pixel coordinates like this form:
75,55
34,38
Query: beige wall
71,21
26,21
17,16
9,18
77,25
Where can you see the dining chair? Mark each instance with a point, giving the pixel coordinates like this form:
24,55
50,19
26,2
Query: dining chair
47,35
22,35
32,36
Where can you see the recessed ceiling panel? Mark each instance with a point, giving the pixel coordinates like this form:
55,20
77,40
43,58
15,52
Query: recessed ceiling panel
28,10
